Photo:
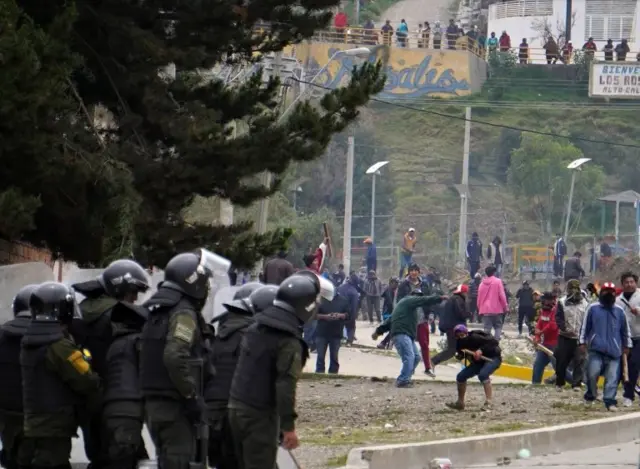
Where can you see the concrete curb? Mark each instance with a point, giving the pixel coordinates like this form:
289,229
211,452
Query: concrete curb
488,448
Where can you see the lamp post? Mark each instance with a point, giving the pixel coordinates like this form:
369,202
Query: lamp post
266,179
295,191
574,166
374,170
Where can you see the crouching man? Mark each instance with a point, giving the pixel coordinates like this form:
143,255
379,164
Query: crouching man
484,357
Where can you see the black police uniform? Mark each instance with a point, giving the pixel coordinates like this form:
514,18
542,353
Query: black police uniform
11,410
225,353
123,408
263,392
58,384
11,415
94,332
174,360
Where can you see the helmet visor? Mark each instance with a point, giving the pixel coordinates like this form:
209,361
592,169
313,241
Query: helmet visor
213,264
327,289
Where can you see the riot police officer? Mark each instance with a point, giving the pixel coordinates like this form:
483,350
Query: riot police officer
122,281
250,299
272,356
123,409
173,359
11,415
56,377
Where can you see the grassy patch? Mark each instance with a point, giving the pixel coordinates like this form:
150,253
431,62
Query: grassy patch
506,427
337,461
363,436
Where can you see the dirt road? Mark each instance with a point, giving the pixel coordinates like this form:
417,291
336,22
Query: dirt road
336,415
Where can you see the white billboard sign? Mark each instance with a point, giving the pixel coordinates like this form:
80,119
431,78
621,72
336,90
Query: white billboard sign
615,80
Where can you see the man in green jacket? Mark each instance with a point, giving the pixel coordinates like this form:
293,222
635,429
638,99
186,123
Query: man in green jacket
403,325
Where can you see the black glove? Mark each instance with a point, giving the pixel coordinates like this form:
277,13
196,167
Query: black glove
196,409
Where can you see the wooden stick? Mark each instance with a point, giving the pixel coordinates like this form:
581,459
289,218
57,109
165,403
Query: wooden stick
482,357
548,352
625,369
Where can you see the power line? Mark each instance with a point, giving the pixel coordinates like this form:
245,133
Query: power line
490,124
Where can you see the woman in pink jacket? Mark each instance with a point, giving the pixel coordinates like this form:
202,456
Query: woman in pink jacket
492,302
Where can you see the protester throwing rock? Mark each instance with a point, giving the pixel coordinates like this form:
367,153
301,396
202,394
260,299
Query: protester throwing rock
403,325
485,357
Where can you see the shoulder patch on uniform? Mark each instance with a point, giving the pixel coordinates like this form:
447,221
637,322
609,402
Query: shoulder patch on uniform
185,329
79,363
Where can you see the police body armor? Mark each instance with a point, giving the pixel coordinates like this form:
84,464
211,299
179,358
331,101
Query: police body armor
121,379
43,391
11,334
154,377
96,336
255,376
225,355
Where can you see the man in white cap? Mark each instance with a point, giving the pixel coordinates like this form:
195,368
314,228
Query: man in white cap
408,248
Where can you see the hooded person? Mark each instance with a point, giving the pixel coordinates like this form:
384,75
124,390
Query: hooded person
272,356
473,296
251,299
59,388
570,314
455,313
482,353
606,335
11,409
175,360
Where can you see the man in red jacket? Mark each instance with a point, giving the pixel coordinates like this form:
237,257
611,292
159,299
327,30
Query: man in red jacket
546,333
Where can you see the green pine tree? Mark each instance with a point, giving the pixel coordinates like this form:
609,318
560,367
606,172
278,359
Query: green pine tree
175,136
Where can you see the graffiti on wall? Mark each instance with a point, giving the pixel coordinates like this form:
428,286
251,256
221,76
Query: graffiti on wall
410,73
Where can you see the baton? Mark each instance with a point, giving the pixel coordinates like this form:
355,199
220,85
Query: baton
547,351
202,427
625,369
482,357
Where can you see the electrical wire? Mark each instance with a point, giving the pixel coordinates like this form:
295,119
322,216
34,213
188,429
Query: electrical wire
481,122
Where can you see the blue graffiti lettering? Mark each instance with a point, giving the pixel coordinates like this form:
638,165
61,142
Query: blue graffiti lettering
409,82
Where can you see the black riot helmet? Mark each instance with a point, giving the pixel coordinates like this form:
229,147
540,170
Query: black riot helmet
189,272
123,277
53,301
21,300
298,294
262,298
241,303
327,288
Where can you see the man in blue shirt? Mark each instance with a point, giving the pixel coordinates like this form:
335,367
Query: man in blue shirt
606,335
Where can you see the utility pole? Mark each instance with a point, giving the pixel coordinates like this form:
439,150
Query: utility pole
373,208
568,18
464,188
348,207
266,176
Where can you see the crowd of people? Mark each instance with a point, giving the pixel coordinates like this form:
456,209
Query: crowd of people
453,36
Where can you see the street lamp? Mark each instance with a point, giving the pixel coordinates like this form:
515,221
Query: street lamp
266,180
374,169
295,191
574,166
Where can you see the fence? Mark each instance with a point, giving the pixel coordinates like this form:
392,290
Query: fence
531,55
15,252
413,40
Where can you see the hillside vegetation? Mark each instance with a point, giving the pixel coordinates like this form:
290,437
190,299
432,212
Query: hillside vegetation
426,147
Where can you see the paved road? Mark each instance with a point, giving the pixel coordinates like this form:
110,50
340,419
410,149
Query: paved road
622,456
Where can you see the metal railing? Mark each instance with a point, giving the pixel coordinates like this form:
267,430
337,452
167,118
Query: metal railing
541,56
520,8
413,40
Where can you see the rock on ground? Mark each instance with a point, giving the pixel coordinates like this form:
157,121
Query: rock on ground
336,414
